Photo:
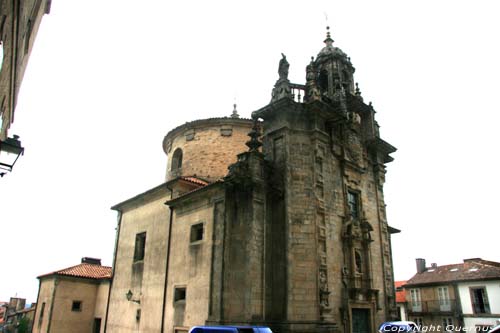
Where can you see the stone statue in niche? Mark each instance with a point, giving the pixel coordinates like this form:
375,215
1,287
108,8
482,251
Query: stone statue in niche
323,289
354,150
352,229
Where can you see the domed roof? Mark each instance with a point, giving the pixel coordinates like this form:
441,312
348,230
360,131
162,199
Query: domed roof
329,50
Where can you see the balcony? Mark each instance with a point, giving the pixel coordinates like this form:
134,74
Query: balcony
434,306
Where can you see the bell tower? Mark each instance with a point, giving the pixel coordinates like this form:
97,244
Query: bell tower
331,74
326,230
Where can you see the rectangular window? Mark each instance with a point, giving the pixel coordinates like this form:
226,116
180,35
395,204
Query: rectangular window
140,246
353,203
179,294
448,324
479,300
76,306
97,325
444,299
416,304
196,232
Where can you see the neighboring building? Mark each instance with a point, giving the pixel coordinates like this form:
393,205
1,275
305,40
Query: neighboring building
401,300
460,295
293,236
73,299
3,312
19,22
15,313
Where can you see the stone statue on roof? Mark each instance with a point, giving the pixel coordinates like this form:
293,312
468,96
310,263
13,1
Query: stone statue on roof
283,68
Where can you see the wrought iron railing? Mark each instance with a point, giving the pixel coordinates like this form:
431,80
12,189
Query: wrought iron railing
445,305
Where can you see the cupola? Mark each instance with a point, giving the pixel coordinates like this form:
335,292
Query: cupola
331,74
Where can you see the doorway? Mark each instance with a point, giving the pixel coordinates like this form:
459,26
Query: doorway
361,321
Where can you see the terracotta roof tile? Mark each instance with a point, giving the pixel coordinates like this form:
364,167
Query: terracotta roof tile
195,180
470,270
85,270
400,294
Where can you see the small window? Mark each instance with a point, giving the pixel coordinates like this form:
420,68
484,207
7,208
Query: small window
140,246
179,294
196,232
353,203
176,160
76,306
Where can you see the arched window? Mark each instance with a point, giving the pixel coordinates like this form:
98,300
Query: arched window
176,160
323,80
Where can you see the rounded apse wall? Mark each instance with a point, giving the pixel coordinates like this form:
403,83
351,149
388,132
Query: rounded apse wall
205,148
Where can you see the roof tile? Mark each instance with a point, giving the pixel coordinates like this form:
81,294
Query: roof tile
84,270
470,270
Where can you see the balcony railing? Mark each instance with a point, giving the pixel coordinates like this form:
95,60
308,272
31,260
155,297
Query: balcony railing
447,305
298,92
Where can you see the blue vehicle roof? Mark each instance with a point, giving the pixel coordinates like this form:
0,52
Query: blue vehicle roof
225,329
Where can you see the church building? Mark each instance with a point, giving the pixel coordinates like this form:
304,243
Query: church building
278,220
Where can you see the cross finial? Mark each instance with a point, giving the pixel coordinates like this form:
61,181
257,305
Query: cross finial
328,41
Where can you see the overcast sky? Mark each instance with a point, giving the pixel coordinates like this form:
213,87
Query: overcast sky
108,79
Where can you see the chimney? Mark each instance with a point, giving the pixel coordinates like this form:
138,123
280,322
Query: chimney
472,260
420,265
93,261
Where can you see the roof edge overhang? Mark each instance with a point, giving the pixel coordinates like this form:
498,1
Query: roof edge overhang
436,283
191,195
149,193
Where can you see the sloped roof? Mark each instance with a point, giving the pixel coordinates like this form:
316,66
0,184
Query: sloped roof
400,294
470,270
84,270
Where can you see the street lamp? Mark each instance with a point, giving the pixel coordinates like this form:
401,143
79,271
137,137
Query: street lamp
129,295
10,150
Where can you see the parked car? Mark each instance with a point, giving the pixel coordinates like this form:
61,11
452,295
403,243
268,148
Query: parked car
398,327
230,329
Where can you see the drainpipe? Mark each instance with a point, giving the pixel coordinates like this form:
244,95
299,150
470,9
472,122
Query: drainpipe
166,265
118,228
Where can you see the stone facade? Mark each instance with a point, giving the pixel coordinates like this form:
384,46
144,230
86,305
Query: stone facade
294,236
19,23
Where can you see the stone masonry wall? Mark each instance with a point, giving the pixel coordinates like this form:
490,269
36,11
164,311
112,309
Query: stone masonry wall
208,147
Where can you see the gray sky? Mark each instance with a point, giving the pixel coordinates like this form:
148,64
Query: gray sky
108,79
